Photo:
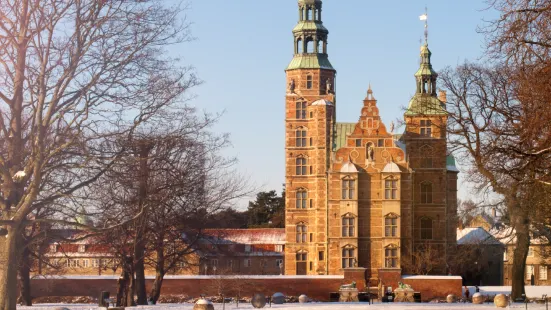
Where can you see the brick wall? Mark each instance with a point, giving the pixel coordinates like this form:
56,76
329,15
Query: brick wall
317,287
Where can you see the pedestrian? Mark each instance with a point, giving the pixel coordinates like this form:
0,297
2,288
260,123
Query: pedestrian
476,289
467,293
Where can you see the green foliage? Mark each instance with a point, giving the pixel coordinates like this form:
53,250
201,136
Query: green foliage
268,210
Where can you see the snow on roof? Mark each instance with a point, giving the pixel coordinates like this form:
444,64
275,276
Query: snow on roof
248,236
349,167
430,277
476,235
507,235
322,102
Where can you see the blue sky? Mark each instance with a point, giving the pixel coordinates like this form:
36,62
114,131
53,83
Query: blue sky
243,47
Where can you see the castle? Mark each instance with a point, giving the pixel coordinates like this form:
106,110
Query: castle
357,194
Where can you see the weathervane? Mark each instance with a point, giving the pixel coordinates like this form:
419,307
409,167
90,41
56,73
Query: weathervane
425,17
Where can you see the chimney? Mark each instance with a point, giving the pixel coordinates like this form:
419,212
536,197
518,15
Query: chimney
442,96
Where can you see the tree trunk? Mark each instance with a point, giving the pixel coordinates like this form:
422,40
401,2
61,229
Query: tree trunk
8,270
25,297
122,287
522,228
139,282
159,276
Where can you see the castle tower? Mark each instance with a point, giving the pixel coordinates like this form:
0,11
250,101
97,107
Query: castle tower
433,182
309,121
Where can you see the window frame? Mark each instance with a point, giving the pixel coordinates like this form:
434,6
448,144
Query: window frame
348,188
309,81
301,165
529,272
348,226
301,198
426,233
247,263
301,256
391,189
391,229
425,128
530,252
301,135
391,256
426,191
543,270
348,257
301,233
301,107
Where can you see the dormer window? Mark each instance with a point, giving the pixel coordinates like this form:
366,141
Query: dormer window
53,248
391,189
81,248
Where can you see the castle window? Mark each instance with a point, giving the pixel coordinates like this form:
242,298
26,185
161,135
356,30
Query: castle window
81,248
230,264
301,233
529,271
391,189
348,258
302,196
301,257
358,142
391,257
381,143
391,226
301,166
426,228
300,137
348,188
348,226
426,156
309,79
426,192
426,129
300,46
301,109
321,255
530,252
543,272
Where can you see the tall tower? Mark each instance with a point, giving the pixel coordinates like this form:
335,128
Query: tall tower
433,184
309,121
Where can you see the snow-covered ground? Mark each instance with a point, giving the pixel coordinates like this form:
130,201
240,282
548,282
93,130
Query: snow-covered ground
316,306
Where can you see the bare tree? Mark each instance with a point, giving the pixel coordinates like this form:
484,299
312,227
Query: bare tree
80,72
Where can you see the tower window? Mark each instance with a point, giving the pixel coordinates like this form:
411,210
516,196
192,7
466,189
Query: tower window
301,109
348,226
301,137
321,255
426,129
426,228
381,142
301,233
348,258
358,142
301,198
309,80
391,189
348,188
391,226
391,257
301,166
426,156
426,192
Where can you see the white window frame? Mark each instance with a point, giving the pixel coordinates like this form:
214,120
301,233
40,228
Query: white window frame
73,263
279,262
53,248
543,272
85,263
279,248
247,263
95,262
214,262
530,252
81,248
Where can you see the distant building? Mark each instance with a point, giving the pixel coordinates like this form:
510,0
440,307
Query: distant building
220,251
357,194
479,257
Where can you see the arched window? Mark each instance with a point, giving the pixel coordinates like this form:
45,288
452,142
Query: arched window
348,188
309,80
426,192
348,257
301,166
391,225
301,109
300,137
391,188
309,45
391,256
348,225
425,128
426,153
301,233
426,228
300,47
308,13
301,198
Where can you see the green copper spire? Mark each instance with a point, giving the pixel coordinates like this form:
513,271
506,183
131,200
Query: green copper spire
310,37
425,100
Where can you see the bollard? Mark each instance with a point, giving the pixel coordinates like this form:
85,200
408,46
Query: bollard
237,302
223,302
